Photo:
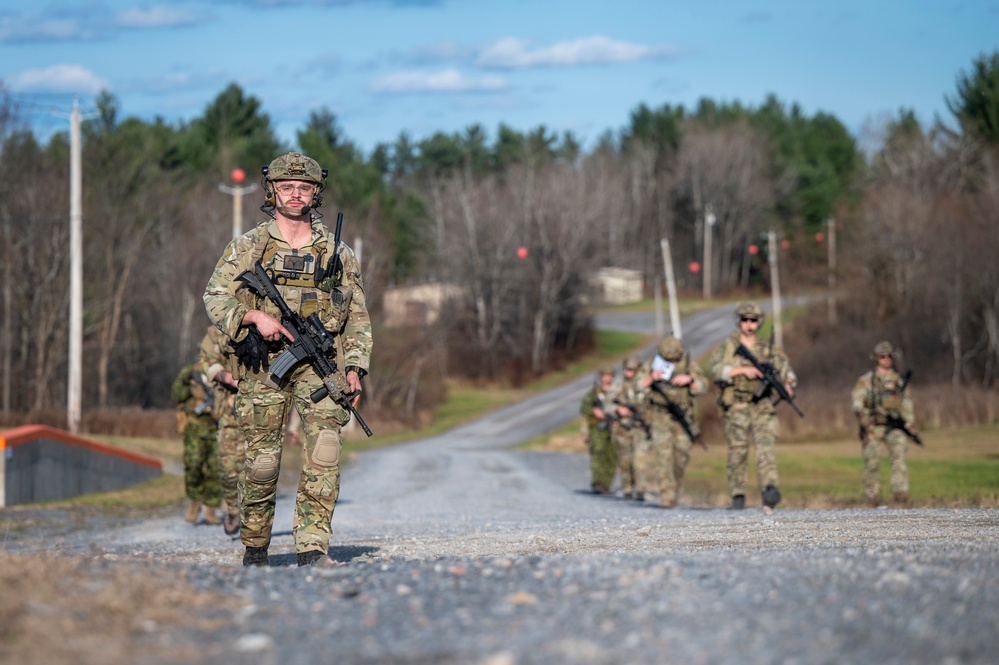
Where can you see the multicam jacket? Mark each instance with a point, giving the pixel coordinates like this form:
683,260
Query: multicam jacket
740,388
876,397
214,355
338,297
682,396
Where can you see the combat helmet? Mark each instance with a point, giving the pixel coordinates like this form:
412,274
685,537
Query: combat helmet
292,166
670,348
748,309
883,349
632,362
606,369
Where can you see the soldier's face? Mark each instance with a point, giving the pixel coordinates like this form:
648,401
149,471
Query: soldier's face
607,380
294,194
884,360
749,324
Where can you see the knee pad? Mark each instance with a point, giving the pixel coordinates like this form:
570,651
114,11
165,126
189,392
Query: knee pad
327,450
264,468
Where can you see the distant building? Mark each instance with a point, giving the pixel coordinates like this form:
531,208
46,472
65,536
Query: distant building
407,306
617,286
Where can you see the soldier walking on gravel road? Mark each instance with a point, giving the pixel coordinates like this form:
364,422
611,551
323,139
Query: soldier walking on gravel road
748,412
669,383
597,408
318,277
883,408
194,395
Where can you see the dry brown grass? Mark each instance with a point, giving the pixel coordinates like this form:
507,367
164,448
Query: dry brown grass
59,610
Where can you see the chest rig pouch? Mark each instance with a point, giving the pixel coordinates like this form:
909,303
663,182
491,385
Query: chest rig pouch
889,395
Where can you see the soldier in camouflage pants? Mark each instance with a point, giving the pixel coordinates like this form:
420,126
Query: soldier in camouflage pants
877,397
196,419
230,436
315,275
747,412
670,377
627,432
597,410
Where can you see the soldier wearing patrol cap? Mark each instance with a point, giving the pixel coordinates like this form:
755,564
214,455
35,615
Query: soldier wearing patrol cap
669,384
315,275
597,409
748,413
879,396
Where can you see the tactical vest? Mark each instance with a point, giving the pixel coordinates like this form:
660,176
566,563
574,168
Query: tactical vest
884,397
679,395
307,280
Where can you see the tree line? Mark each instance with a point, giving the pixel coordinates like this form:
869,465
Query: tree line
916,220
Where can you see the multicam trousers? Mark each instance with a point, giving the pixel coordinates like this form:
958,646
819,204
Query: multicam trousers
262,412
201,464
896,442
231,445
668,454
626,439
744,421
603,458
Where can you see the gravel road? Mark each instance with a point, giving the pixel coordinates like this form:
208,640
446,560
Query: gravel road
457,549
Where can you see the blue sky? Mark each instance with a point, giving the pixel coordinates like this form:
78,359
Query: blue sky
420,66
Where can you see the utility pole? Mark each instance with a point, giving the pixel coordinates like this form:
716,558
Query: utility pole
775,287
658,298
674,306
709,225
74,389
237,175
831,224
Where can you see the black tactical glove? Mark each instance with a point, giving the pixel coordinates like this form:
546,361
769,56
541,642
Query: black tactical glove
252,350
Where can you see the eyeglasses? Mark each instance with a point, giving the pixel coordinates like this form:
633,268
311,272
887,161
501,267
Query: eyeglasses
302,189
750,318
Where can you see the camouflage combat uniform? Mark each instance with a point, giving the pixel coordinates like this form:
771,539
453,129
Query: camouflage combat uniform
230,437
262,406
665,456
192,393
603,453
875,397
627,430
745,417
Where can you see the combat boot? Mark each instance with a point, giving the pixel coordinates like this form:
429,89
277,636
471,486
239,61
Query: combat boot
230,524
212,516
771,496
255,556
738,502
192,512
310,558
900,497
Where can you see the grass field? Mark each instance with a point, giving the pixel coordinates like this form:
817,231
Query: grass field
958,466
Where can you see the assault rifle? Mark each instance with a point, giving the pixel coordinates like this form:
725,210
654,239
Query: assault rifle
636,417
312,343
679,415
207,404
771,380
896,422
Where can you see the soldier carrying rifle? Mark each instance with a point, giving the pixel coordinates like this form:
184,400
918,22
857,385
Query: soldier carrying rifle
883,408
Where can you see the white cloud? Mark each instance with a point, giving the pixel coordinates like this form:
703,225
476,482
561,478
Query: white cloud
58,78
449,80
155,16
513,53
35,28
